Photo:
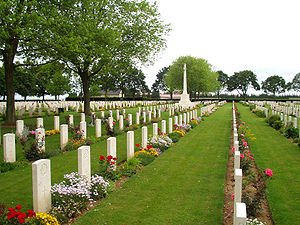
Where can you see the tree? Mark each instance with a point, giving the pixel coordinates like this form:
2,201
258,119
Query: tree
200,77
59,81
19,24
274,84
160,83
241,81
295,84
222,79
89,35
25,82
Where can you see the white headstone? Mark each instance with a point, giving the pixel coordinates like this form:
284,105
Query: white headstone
163,127
41,185
237,159
39,123
176,120
137,118
19,127
40,139
121,122
9,147
112,147
98,127
56,122
180,120
130,119
84,161
155,129
83,129
63,136
170,125
71,120
82,117
110,122
149,116
130,144
144,136
240,214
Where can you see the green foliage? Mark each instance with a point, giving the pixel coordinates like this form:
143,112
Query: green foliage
175,137
259,113
291,132
241,81
295,84
33,153
130,167
160,83
252,106
277,124
7,166
274,84
271,119
146,159
200,76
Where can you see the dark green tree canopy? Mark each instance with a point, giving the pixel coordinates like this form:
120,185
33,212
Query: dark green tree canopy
200,77
295,84
274,84
160,83
242,81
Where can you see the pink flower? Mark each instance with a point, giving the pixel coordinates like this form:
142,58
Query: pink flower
232,196
229,214
78,132
245,144
269,172
249,151
243,123
242,135
114,122
40,132
247,127
251,157
242,156
32,132
233,149
82,131
243,140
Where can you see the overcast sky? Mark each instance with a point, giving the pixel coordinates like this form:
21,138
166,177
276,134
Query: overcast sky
233,35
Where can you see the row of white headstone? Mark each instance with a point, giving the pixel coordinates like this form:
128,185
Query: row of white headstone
240,214
41,172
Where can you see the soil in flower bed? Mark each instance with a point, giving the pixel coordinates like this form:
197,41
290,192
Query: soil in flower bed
263,215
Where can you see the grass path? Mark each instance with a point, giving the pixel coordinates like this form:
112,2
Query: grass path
272,150
185,185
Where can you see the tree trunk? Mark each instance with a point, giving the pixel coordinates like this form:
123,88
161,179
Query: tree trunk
86,91
8,58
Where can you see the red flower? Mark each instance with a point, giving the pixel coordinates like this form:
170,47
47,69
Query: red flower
112,163
31,213
101,157
115,159
158,129
109,157
21,220
175,125
137,145
162,133
10,209
149,146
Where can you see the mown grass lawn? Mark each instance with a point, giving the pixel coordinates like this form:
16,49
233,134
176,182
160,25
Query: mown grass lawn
185,185
16,185
274,151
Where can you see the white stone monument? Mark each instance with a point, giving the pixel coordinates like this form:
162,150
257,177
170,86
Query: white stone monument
84,161
185,97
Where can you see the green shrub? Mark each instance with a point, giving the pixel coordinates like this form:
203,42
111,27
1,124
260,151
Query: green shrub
277,124
271,119
259,113
252,107
7,166
175,137
33,153
146,159
130,167
296,140
291,132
